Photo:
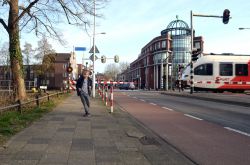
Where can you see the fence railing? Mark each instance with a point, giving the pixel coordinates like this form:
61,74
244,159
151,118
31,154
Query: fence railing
7,85
37,100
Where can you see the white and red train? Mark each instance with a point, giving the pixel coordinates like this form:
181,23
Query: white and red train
220,72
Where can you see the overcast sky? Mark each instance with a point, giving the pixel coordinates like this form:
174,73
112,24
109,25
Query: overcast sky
131,24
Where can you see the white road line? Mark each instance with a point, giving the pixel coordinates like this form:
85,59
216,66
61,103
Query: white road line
238,131
142,100
193,117
152,103
167,108
135,97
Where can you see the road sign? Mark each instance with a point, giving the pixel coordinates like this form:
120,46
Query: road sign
91,57
92,50
80,48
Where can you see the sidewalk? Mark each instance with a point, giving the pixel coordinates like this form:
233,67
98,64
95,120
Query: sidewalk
65,137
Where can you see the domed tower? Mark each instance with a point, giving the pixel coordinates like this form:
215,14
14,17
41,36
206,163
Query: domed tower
180,33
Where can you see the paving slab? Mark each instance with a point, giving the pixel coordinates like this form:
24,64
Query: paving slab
64,136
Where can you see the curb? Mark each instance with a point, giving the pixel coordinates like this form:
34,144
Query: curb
156,135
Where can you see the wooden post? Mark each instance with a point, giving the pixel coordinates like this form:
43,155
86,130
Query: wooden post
19,108
37,101
48,96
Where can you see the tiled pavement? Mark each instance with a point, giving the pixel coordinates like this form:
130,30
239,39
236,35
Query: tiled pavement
64,136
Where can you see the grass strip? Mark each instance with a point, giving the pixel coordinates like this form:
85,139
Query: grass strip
12,122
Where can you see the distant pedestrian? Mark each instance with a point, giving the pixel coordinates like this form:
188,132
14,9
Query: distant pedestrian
83,87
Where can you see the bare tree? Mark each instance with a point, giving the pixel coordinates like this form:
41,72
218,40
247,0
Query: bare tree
123,66
4,54
40,16
28,53
111,71
44,48
45,58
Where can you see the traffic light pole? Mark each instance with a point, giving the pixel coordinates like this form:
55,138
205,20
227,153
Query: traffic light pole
225,19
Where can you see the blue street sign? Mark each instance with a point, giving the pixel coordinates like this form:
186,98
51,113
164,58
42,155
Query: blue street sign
80,48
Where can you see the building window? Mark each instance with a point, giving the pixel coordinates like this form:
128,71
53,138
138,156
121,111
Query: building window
204,70
241,69
226,69
52,74
31,74
163,44
158,45
64,66
65,75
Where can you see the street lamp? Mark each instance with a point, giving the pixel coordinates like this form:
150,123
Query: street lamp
93,79
243,28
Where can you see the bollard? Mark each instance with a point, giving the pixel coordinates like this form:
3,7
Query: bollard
111,100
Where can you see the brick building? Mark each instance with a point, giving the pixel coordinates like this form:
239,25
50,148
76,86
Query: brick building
156,67
55,78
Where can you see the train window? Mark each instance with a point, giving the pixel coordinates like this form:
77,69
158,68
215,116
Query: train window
241,69
226,69
204,69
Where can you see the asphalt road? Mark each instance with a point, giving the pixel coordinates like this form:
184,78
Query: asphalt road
232,116
206,132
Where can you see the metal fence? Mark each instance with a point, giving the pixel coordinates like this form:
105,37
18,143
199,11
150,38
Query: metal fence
37,100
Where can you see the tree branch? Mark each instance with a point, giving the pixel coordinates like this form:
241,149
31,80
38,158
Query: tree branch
25,10
4,24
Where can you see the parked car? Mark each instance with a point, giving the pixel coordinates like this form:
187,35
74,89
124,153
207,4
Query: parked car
127,86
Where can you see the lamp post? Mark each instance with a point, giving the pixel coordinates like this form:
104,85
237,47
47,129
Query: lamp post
241,28
93,79
94,34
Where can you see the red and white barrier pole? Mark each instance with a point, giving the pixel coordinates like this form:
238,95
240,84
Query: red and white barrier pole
103,93
111,100
99,89
106,93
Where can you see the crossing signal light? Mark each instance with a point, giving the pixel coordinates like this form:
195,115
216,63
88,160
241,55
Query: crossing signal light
69,69
226,16
103,59
116,58
195,54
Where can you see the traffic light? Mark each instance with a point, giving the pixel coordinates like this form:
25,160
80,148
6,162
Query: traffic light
195,54
103,59
226,16
116,58
69,69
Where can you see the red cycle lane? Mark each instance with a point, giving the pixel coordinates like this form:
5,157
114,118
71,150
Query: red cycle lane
202,141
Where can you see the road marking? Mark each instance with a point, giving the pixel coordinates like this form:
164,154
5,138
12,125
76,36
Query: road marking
167,108
142,100
135,97
152,103
193,117
238,131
